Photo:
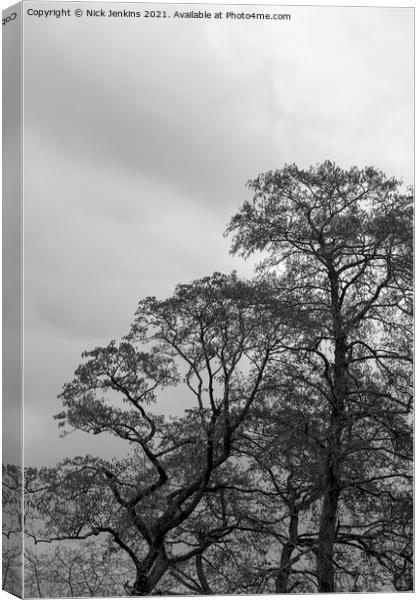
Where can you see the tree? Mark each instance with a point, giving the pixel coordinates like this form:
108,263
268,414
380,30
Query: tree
12,529
75,569
215,338
342,243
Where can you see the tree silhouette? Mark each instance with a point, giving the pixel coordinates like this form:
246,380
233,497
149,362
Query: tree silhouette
342,240
216,338
289,465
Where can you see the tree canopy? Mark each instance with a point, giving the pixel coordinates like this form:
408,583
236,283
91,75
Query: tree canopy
289,468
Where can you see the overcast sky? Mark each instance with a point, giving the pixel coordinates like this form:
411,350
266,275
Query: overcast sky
139,139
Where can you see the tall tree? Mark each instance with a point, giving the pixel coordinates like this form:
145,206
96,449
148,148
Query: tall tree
342,240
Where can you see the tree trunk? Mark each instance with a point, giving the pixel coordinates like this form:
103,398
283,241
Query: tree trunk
282,579
149,573
140,587
327,528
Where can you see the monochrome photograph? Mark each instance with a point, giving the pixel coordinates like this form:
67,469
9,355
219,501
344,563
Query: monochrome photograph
207,275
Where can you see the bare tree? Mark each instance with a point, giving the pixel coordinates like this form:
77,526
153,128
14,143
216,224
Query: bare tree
12,529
